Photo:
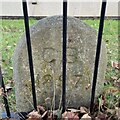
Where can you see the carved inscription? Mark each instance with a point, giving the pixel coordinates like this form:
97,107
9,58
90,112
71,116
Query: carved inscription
50,54
47,78
75,66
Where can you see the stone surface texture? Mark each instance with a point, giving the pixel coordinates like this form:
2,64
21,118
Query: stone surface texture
46,38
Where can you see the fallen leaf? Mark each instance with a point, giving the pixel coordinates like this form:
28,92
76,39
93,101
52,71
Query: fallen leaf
11,82
40,109
83,110
73,110
8,87
102,116
34,116
114,78
1,91
86,116
115,64
117,83
70,115
117,112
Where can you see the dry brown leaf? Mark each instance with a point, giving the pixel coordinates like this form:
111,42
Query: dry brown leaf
73,110
83,110
40,109
114,78
70,115
8,87
49,118
102,116
117,83
117,112
34,116
1,91
115,64
86,116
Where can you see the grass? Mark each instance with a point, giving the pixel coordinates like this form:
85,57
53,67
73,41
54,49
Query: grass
110,37
13,29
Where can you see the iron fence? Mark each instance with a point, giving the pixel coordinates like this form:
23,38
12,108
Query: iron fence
31,67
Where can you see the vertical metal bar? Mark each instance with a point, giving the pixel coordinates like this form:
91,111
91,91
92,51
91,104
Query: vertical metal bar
101,25
26,21
64,55
4,96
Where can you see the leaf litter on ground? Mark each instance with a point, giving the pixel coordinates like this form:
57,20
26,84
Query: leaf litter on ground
83,113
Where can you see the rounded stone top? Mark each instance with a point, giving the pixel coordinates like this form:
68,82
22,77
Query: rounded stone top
46,38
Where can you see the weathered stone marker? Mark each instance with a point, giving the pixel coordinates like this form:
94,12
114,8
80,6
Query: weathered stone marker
46,37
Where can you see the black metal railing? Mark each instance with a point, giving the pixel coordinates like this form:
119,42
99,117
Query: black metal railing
64,53
64,56
101,25
2,86
29,48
